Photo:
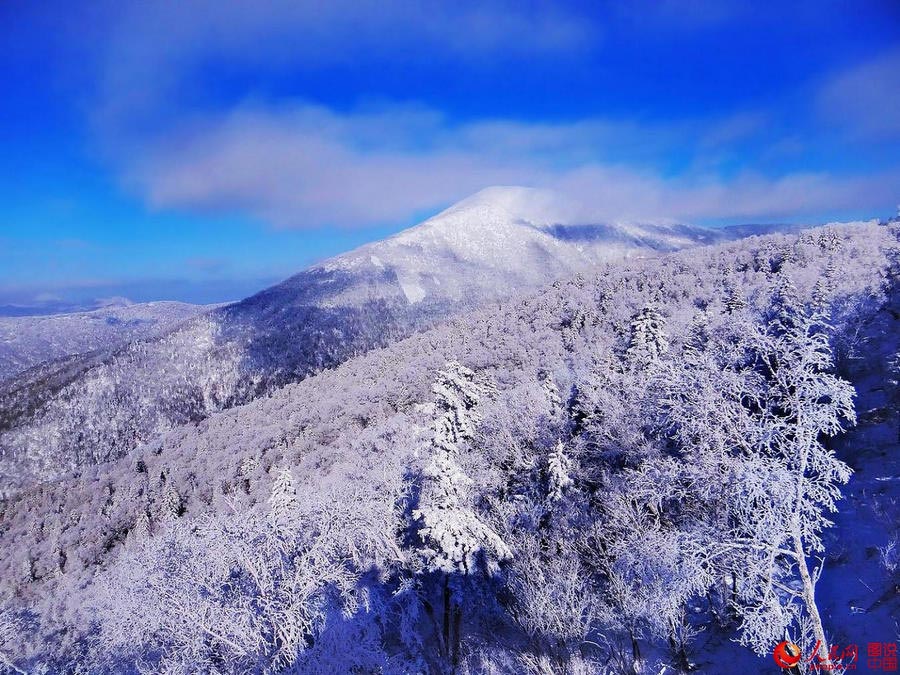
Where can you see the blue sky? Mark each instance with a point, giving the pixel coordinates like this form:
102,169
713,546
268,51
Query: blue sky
201,150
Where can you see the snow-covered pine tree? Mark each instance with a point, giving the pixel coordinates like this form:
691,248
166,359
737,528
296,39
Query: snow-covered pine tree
27,569
697,337
283,502
830,240
173,505
141,529
821,295
648,336
550,390
454,538
559,467
457,391
246,469
735,301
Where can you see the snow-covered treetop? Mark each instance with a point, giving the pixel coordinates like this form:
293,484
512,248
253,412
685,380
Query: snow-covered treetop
457,390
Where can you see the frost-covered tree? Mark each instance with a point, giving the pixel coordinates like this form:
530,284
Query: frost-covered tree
142,528
697,339
648,339
172,504
653,550
559,467
214,596
554,599
735,301
551,391
457,391
10,628
821,295
793,479
283,502
229,593
455,540
830,240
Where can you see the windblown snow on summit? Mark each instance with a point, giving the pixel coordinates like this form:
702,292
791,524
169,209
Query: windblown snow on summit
503,238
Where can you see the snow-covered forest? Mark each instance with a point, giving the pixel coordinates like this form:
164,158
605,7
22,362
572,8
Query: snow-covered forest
659,465
27,341
95,407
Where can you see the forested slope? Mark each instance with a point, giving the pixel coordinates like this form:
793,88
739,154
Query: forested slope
26,341
579,479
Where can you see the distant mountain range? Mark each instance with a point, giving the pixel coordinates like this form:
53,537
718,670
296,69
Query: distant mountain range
26,341
91,408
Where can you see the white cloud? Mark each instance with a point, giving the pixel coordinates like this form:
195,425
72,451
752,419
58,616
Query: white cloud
301,165
307,166
865,99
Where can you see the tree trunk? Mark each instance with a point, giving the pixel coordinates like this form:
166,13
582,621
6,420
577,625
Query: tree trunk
457,621
679,652
734,596
809,599
635,654
446,630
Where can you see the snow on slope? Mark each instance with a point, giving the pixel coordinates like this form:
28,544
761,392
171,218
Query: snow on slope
506,237
26,341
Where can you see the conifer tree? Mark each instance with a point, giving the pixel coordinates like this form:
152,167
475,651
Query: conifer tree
559,467
735,300
173,505
283,502
455,541
648,337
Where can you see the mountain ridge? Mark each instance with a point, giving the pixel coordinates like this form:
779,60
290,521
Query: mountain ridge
27,341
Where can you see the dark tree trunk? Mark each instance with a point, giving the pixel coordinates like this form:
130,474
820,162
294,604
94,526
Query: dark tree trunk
680,653
635,653
446,630
457,621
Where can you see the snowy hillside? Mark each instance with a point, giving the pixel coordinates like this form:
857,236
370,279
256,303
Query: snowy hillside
500,241
29,340
597,477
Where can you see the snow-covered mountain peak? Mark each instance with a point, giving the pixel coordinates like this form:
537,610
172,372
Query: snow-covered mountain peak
499,238
502,204
503,238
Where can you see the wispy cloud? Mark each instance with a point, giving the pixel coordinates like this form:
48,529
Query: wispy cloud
153,48
865,99
307,166
296,164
